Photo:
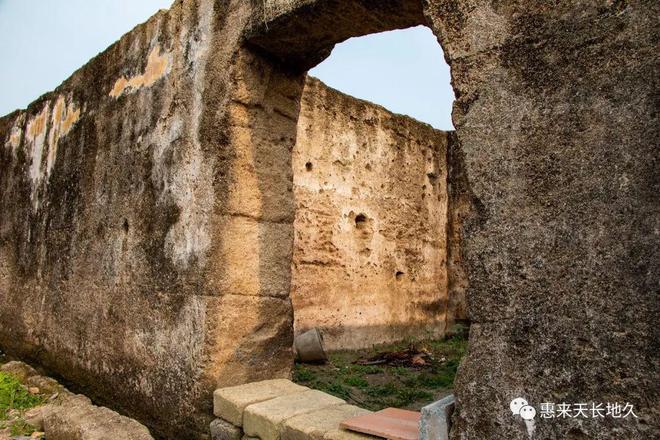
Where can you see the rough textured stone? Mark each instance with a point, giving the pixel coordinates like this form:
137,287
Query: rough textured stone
554,118
230,403
315,425
89,422
118,189
222,430
343,434
67,416
35,416
121,195
460,205
46,385
265,420
436,419
19,370
369,260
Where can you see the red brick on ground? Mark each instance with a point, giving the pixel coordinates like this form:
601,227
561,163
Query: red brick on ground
390,423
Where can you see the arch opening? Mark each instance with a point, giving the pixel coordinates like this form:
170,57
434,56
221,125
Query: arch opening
354,197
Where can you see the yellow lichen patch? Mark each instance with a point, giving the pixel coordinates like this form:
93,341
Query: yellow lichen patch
59,109
157,67
16,132
120,86
36,135
72,116
63,119
37,126
15,138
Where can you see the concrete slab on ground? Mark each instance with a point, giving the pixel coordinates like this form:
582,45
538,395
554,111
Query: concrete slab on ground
229,403
265,420
315,425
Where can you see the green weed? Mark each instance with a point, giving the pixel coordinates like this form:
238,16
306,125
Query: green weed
14,396
302,374
379,386
356,381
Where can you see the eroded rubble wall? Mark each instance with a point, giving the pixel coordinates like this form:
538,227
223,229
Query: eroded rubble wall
556,115
118,202
121,266
369,259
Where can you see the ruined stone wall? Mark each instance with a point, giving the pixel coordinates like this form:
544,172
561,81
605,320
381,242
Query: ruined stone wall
369,260
122,240
557,122
129,265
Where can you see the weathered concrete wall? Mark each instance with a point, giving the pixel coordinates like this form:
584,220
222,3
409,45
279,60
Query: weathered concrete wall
122,240
557,118
129,264
369,259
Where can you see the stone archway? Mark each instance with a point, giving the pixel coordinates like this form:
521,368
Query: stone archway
266,85
267,79
513,93
145,252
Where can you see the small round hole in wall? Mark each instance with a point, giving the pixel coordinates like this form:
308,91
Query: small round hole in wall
309,166
399,275
125,225
360,221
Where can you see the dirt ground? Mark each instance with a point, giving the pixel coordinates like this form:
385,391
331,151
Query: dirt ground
405,375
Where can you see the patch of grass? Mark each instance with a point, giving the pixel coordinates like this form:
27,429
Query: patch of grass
379,386
15,398
366,369
337,389
401,371
382,390
407,396
21,427
356,381
302,374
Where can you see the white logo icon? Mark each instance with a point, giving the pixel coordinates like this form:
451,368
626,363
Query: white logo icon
520,407
528,412
516,404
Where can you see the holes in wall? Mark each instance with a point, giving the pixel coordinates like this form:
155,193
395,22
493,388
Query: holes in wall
309,166
361,221
363,228
399,275
125,225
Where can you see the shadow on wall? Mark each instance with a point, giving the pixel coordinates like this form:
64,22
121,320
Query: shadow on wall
256,231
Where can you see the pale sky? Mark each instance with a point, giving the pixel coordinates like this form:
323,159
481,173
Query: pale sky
42,42
404,71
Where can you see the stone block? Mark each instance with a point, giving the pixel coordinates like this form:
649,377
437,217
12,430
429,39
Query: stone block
344,434
253,259
229,403
88,422
46,385
265,420
436,419
221,430
19,370
265,331
315,425
35,416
